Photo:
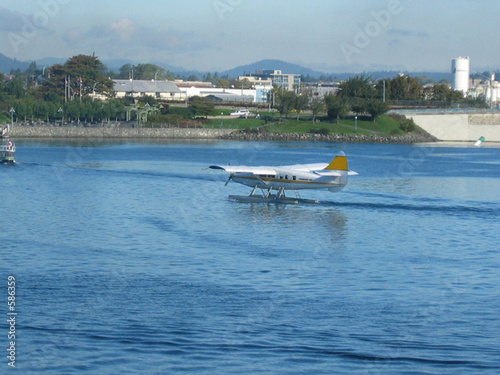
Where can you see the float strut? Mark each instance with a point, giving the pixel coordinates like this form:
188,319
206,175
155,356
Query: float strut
281,192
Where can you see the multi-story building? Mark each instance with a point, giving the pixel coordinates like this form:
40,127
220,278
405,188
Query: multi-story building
290,82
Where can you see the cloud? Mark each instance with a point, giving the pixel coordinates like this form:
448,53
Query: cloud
124,29
73,36
126,36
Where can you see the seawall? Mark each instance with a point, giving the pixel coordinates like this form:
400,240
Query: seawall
460,126
420,137
112,132
226,134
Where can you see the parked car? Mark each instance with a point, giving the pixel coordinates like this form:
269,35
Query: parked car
240,112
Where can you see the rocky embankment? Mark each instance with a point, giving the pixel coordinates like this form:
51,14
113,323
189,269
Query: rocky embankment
415,137
114,132
419,136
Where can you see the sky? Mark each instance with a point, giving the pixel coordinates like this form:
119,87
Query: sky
216,35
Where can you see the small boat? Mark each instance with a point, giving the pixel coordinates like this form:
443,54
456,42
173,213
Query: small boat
7,151
479,141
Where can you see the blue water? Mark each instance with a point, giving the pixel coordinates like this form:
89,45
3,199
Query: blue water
129,259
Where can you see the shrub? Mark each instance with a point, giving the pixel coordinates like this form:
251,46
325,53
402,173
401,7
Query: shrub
405,124
186,113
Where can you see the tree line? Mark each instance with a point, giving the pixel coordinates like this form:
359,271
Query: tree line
64,91
363,95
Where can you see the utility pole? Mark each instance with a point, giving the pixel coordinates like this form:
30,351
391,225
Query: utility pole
383,94
12,111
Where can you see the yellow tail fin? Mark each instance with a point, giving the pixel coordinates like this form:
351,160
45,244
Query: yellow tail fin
339,163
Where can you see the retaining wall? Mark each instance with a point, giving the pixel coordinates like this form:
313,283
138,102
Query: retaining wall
460,127
106,132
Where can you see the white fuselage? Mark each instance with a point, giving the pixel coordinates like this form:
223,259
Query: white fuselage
291,179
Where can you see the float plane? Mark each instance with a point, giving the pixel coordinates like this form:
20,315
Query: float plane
331,176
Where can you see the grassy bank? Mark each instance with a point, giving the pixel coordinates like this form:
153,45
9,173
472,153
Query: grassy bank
383,125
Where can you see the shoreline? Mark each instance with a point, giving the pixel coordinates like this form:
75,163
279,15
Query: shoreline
38,132
409,138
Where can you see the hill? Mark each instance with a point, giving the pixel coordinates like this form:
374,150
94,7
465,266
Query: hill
116,64
284,66
7,64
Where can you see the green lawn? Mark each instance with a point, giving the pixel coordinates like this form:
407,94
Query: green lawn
235,123
383,125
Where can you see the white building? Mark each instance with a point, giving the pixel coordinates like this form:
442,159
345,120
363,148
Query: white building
183,90
267,78
486,88
189,89
167,90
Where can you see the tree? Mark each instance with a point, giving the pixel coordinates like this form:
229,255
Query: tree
88,72
72,110
336,106
355,92
125,71
301,102
376,107
317,106
222,83
201,106
285,100
358,105
116,108
143,71
77,78
149,100
53,88
242,84
357,87
15,88
441,92
403,88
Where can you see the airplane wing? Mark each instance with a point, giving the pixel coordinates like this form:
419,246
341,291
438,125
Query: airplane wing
245,169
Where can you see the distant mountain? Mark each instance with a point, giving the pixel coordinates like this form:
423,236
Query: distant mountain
116,64
285,67
389,74
50,61
7,64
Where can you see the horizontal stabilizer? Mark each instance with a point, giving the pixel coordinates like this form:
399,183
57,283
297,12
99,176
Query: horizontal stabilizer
327,173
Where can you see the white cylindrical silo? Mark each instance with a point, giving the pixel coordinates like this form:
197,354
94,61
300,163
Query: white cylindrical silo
460,67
